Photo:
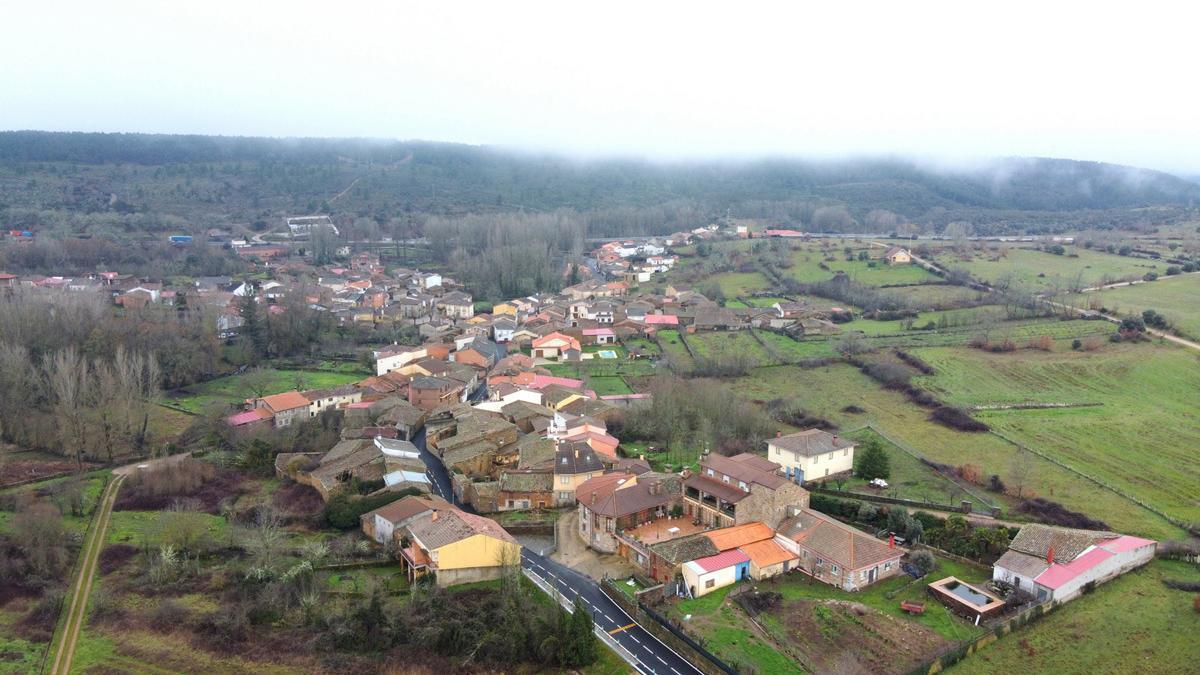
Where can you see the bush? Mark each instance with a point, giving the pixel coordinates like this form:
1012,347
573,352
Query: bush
1057,514
1189,267
1076,344
957,418
342,510
168,615
1173,270
915,361
1150,276
890,375
923,560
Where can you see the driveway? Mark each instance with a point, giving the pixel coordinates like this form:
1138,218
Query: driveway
573,553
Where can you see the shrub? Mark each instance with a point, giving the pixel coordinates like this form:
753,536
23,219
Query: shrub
1057,514
1173,270
957,418
342,510
923,560
1044,343
853,410
1150,276
867,513
168,615
871,461
1189,267
890,375
1091,344
915,361
995,484
1076,344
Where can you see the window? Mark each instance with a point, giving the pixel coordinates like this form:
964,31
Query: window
833,569
710,472
743,486
710,583
564,480
725,478
846,452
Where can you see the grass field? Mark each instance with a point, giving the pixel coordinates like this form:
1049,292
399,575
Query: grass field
806,267
1129,625
827,390
235,388
1177,298
1143,438
606,385
672,346
712,345
736,284
909,479
1044,271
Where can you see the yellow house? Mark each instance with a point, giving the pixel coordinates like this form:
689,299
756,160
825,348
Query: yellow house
897,256
457,547
504,308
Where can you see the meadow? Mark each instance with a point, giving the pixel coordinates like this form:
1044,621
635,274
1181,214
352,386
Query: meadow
1131,624
806,267
829,391
1177,298
1143,436
1046,271
233,389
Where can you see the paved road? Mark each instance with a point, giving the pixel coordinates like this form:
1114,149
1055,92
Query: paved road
82,588
643,649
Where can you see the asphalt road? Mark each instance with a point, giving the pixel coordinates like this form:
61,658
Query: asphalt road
650,655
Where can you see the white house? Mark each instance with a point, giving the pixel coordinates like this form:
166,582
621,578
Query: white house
1057,563
396,357
811,454
705,575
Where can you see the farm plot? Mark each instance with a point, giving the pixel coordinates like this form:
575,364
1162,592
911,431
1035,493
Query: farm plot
673,348
1142,438
828,392
1177,298
233,389
1045,271
714,345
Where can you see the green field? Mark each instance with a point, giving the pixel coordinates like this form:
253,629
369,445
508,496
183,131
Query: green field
606,385
806,267
233,389
1133,624
1177,298
1142,439
825,391
1046,271
737,284
672,346
713,345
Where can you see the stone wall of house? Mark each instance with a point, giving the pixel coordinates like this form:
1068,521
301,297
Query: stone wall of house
468,575
770,506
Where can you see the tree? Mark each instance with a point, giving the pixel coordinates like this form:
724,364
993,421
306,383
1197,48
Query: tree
1019,471
872,461
581,646
265,535
69,379
38,531
252,330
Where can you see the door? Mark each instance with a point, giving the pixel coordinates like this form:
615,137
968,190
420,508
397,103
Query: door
872,576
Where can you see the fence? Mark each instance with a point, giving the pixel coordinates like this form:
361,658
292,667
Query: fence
658,626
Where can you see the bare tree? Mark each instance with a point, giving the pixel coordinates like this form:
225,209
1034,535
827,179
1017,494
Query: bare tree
1020,471
69,379
257,381
265,536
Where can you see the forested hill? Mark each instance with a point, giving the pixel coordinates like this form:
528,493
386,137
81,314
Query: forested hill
244,178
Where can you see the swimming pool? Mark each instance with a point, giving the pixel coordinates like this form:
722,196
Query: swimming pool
606,354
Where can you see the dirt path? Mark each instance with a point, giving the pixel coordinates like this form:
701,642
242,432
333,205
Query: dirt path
82,588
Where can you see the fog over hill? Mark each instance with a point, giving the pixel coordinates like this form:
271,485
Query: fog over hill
241,177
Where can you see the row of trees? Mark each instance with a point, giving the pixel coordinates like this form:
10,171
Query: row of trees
684,416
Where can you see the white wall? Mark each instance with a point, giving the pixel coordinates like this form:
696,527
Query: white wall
816,467
697,579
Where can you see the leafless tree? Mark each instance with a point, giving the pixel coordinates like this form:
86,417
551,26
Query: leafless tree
1020,471
69,379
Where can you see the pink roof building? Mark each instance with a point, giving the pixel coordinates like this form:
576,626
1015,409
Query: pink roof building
661,320
721,560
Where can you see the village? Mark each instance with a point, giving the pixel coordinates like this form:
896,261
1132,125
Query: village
495,436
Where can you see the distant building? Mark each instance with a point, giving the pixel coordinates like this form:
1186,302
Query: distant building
304,225
897,256
811,454
1058,563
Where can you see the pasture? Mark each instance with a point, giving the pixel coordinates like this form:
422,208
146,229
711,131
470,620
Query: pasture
827,391
233,389
999,265
1131,624
1176,297
807,267
1142,438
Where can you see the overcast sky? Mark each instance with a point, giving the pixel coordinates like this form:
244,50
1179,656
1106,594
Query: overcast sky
661,80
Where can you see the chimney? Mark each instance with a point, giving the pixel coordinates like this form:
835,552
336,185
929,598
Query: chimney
778,434
892,541
1050,556
434,516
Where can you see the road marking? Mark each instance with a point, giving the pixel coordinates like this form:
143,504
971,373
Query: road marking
660,659
622,628
631,637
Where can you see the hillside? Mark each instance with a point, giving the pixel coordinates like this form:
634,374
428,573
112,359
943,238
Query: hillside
222,180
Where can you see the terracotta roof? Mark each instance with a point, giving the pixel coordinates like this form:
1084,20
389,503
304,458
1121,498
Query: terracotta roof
614,496
1022,563
767,552
681,550
737,536
407,507
836,541
442,527
811,442
742,470
716,488
288,400
756,461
